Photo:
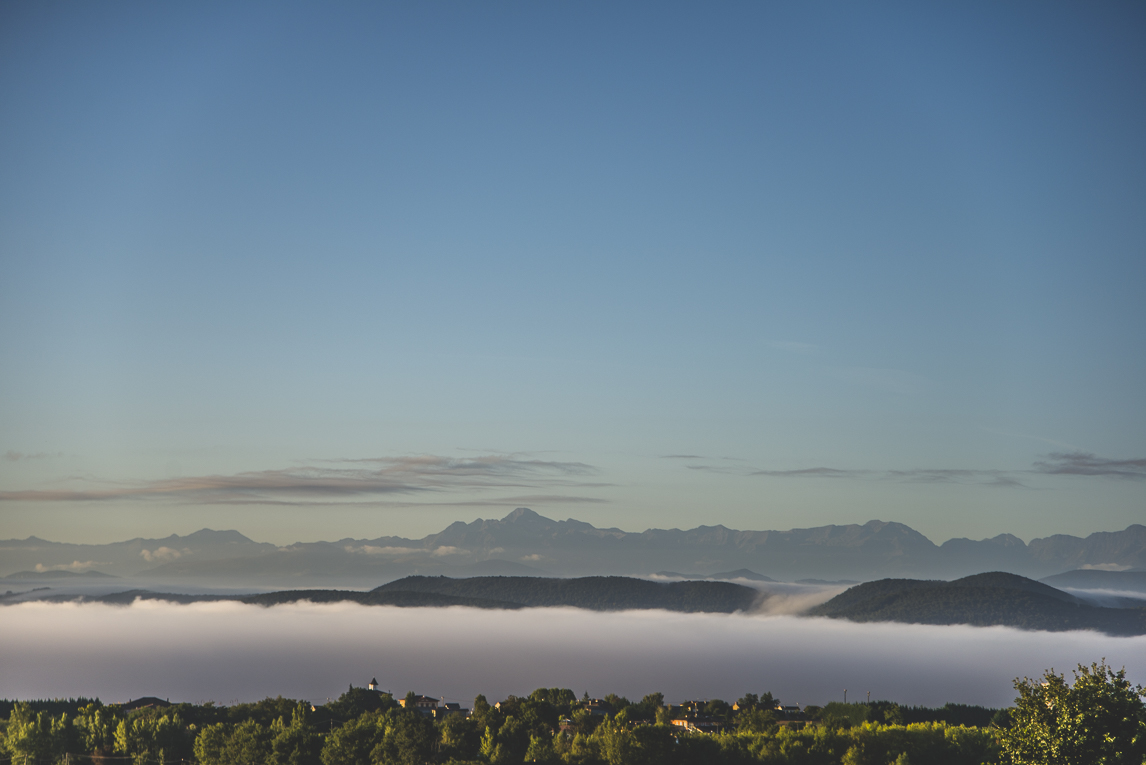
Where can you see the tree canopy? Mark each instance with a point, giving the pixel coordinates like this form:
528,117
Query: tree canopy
1099,719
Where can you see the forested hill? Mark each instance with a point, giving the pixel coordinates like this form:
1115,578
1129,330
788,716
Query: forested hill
981,600
598,593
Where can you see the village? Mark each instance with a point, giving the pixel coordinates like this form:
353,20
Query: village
699,716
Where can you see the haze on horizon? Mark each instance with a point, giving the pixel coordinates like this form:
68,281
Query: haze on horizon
323,271
230,651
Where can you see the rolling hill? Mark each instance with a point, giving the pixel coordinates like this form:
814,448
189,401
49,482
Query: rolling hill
982,600
596,593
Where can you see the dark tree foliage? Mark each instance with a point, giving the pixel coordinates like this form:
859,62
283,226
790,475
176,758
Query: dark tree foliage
353,743
719,709
53,707
357,701
460,738
836,714
562,699
751,701
263,712
298,743
408,738
756,720
952,714
599,593
615,702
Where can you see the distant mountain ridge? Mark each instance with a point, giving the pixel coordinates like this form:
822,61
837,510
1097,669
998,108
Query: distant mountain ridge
57,574
1097,579
525,543
39,556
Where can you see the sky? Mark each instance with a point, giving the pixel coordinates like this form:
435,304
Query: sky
314,271
231,652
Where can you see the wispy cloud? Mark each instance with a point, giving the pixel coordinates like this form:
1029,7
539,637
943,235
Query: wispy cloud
915,475
1005,481
373,550
997,478
1069,463
347,480
14,456
161,554
74,566
815,472
1085,463
944,475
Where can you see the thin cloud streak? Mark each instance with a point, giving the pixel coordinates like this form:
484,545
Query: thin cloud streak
1061,464
1085,463
15,456
307,485
816,472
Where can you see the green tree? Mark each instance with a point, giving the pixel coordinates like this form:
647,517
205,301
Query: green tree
250,744
838,715
353,743
298,743
756,720
561,698
460,737
751,701
211,744
718,708
1100,719
616,703
95,729
357,701
483,714
540,750
491,751
408,739
38,736
268,710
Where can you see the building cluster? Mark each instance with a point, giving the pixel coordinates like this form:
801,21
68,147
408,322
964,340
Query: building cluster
688,715
427,705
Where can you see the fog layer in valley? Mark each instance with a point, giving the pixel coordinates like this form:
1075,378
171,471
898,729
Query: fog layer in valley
229,651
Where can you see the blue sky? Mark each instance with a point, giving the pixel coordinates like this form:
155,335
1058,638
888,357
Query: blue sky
315,271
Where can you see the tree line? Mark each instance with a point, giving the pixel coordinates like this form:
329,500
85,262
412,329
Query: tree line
1099,717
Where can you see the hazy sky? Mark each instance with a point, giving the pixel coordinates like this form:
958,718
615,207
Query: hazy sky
315,270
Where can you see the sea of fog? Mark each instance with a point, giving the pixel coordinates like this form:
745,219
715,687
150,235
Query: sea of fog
229,652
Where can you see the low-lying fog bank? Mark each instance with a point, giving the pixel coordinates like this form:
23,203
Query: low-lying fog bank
230,651
1109,598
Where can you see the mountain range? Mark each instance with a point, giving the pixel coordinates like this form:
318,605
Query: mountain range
524,543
